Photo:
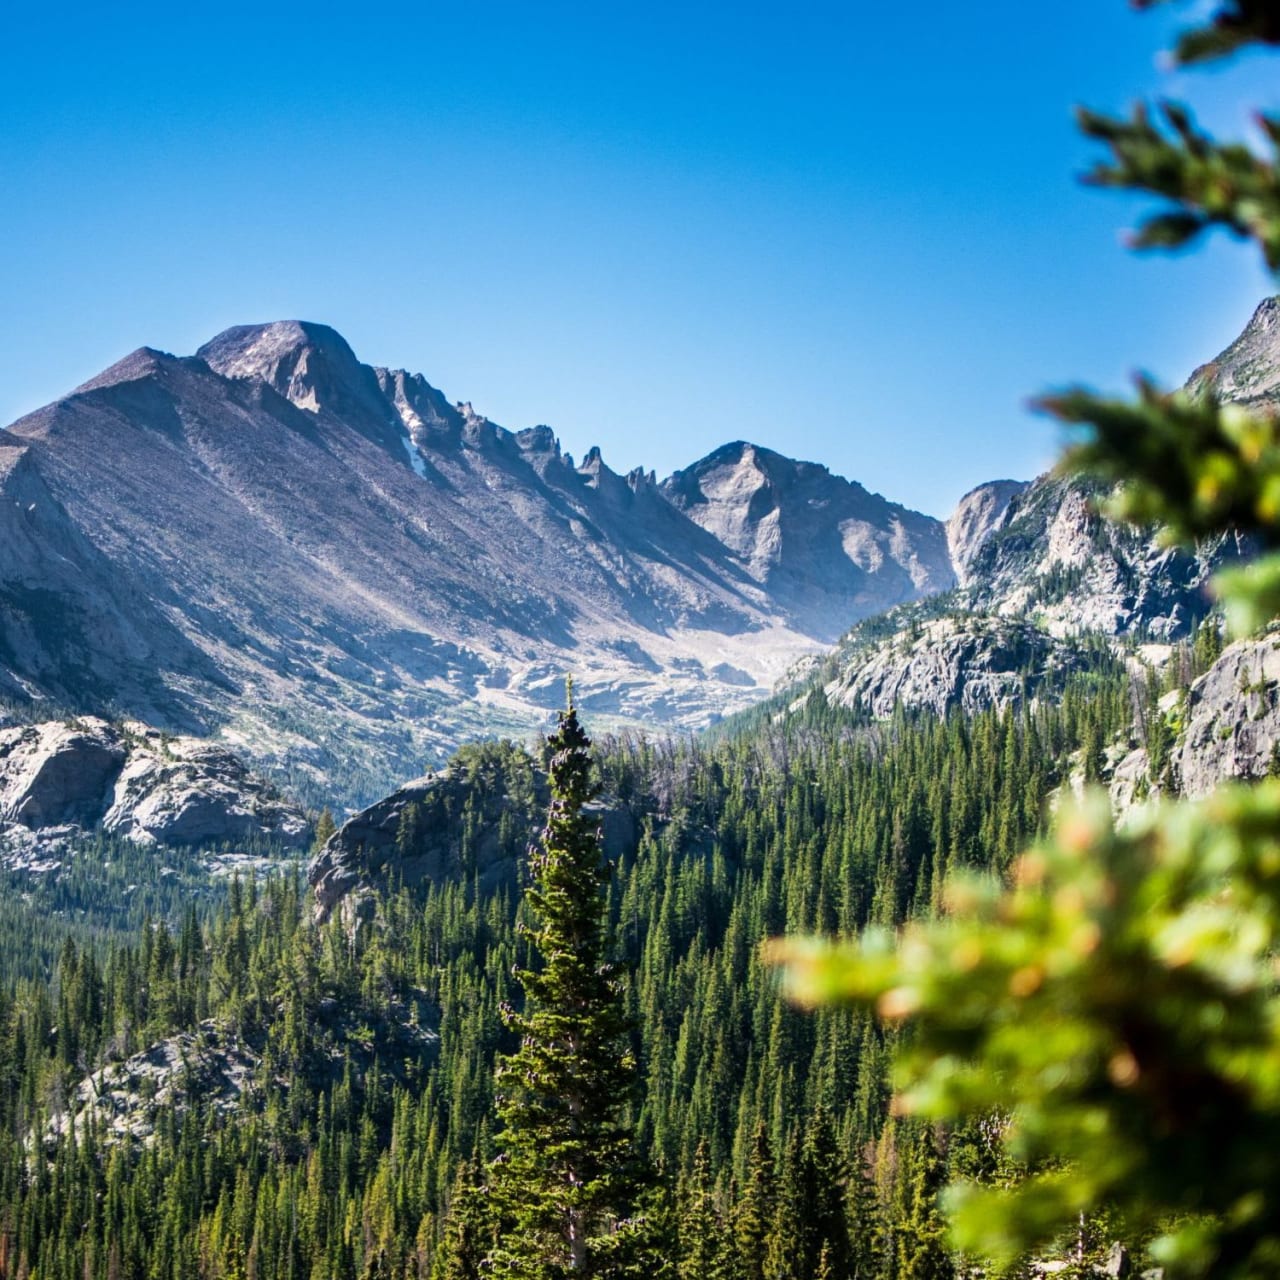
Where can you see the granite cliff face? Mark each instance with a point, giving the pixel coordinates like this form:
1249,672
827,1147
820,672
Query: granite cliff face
1039,570
63,778
1232,718
1053,558
328,565
977,515
954,662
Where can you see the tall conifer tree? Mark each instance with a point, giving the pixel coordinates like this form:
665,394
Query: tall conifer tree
566,1182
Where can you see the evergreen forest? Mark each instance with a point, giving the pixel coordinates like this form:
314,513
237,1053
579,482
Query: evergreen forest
216,1085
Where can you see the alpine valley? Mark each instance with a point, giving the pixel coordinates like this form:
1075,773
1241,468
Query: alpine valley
246,589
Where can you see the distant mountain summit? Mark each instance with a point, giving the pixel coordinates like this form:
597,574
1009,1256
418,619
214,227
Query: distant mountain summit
335,568
823,547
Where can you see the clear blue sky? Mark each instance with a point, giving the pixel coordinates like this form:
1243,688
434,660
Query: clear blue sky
850,232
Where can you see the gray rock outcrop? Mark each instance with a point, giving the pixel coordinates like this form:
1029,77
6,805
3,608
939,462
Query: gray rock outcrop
976,517
953,662
59,774
216,1070
83,774
1232,725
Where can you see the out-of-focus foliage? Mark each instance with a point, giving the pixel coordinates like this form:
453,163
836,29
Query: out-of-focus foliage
1118,1004
1235,24
1205,184
1112,1014
1182,459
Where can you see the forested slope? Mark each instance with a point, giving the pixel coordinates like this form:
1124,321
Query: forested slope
339,1150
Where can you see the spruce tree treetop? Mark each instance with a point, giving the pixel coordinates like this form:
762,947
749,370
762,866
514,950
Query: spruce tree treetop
565,1183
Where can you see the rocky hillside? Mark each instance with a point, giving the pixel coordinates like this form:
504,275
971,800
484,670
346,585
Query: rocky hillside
329,564
1052,558
66,778
1038,568
1247,371
474,818
72,631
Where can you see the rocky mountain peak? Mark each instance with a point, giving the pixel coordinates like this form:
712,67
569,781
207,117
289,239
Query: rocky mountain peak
601,477
1249,369
145,362
823,544
977,515
729,493
266,350
313,367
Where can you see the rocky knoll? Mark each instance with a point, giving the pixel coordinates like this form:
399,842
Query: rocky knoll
219,1071
474,818
969,663
63,777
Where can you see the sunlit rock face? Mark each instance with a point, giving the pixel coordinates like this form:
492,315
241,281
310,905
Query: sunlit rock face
67,777
1232,718
977,515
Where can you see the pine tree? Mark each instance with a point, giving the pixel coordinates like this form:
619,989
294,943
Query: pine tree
699,1225
565,1181
754,1214
922,1249
468,1229
325,827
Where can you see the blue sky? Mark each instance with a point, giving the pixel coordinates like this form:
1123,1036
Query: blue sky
851,233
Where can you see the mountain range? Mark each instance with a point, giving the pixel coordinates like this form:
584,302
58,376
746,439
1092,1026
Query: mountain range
342,575
329,563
